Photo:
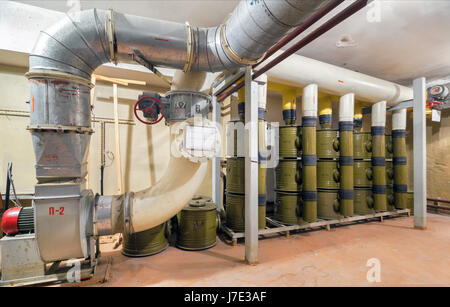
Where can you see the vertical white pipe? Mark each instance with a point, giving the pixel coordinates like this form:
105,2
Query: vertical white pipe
310,100
347,108
399,119
379,114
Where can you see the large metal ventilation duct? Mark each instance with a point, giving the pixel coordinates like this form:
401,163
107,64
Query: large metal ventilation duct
61,65
84,40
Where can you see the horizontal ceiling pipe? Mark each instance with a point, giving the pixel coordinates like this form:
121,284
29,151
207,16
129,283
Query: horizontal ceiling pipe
302,28
334,21
300,71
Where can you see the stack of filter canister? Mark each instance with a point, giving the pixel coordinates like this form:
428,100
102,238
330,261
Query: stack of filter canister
289,175
400,164
362,169
309,153
235,184
328,171
379,184
389,174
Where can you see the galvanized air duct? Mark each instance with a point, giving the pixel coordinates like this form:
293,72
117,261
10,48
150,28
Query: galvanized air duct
84,40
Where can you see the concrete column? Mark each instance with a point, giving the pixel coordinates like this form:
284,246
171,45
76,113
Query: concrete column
420,154
251,168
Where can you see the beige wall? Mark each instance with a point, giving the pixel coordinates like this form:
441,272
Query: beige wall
144,149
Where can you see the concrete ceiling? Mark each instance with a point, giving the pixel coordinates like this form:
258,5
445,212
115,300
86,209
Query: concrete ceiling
409,40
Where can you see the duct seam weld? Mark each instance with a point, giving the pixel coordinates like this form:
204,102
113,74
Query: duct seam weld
84,39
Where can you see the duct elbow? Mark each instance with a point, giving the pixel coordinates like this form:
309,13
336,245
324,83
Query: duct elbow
76,45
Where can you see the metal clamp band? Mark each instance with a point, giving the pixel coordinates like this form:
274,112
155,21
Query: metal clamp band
309,195
231,53
289,114
398,133
60,128
262,199
347,194
127,227
325,119
53,74
309,121
400,188
346,161
399,161
379,189
378,130
345,126
378,161
189,48
110,35
309,160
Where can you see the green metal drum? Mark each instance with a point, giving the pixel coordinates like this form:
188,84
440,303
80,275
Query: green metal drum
328,175
390,198
327,144
389,147
289,175
362,173
145,243
362,145
290,141
389,173
235,175
235,213
328,205
363,202
288,207
198,224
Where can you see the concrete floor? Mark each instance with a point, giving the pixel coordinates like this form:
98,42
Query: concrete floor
408,257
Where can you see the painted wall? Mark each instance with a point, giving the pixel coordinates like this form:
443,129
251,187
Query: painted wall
144,149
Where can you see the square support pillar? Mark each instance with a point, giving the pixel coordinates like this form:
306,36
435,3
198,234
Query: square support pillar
251,168
420,154
216,187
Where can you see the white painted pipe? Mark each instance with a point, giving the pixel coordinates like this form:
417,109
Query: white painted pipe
379,114
157,204
399,120
262,89
299,71
347,108
309,105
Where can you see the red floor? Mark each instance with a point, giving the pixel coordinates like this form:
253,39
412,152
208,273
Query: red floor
407,256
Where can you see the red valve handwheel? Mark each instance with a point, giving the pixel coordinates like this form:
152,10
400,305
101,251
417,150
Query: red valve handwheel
149,110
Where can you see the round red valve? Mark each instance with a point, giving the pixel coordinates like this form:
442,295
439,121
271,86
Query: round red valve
9,221
149,110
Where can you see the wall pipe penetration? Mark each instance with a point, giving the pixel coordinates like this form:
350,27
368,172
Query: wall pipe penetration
72,49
